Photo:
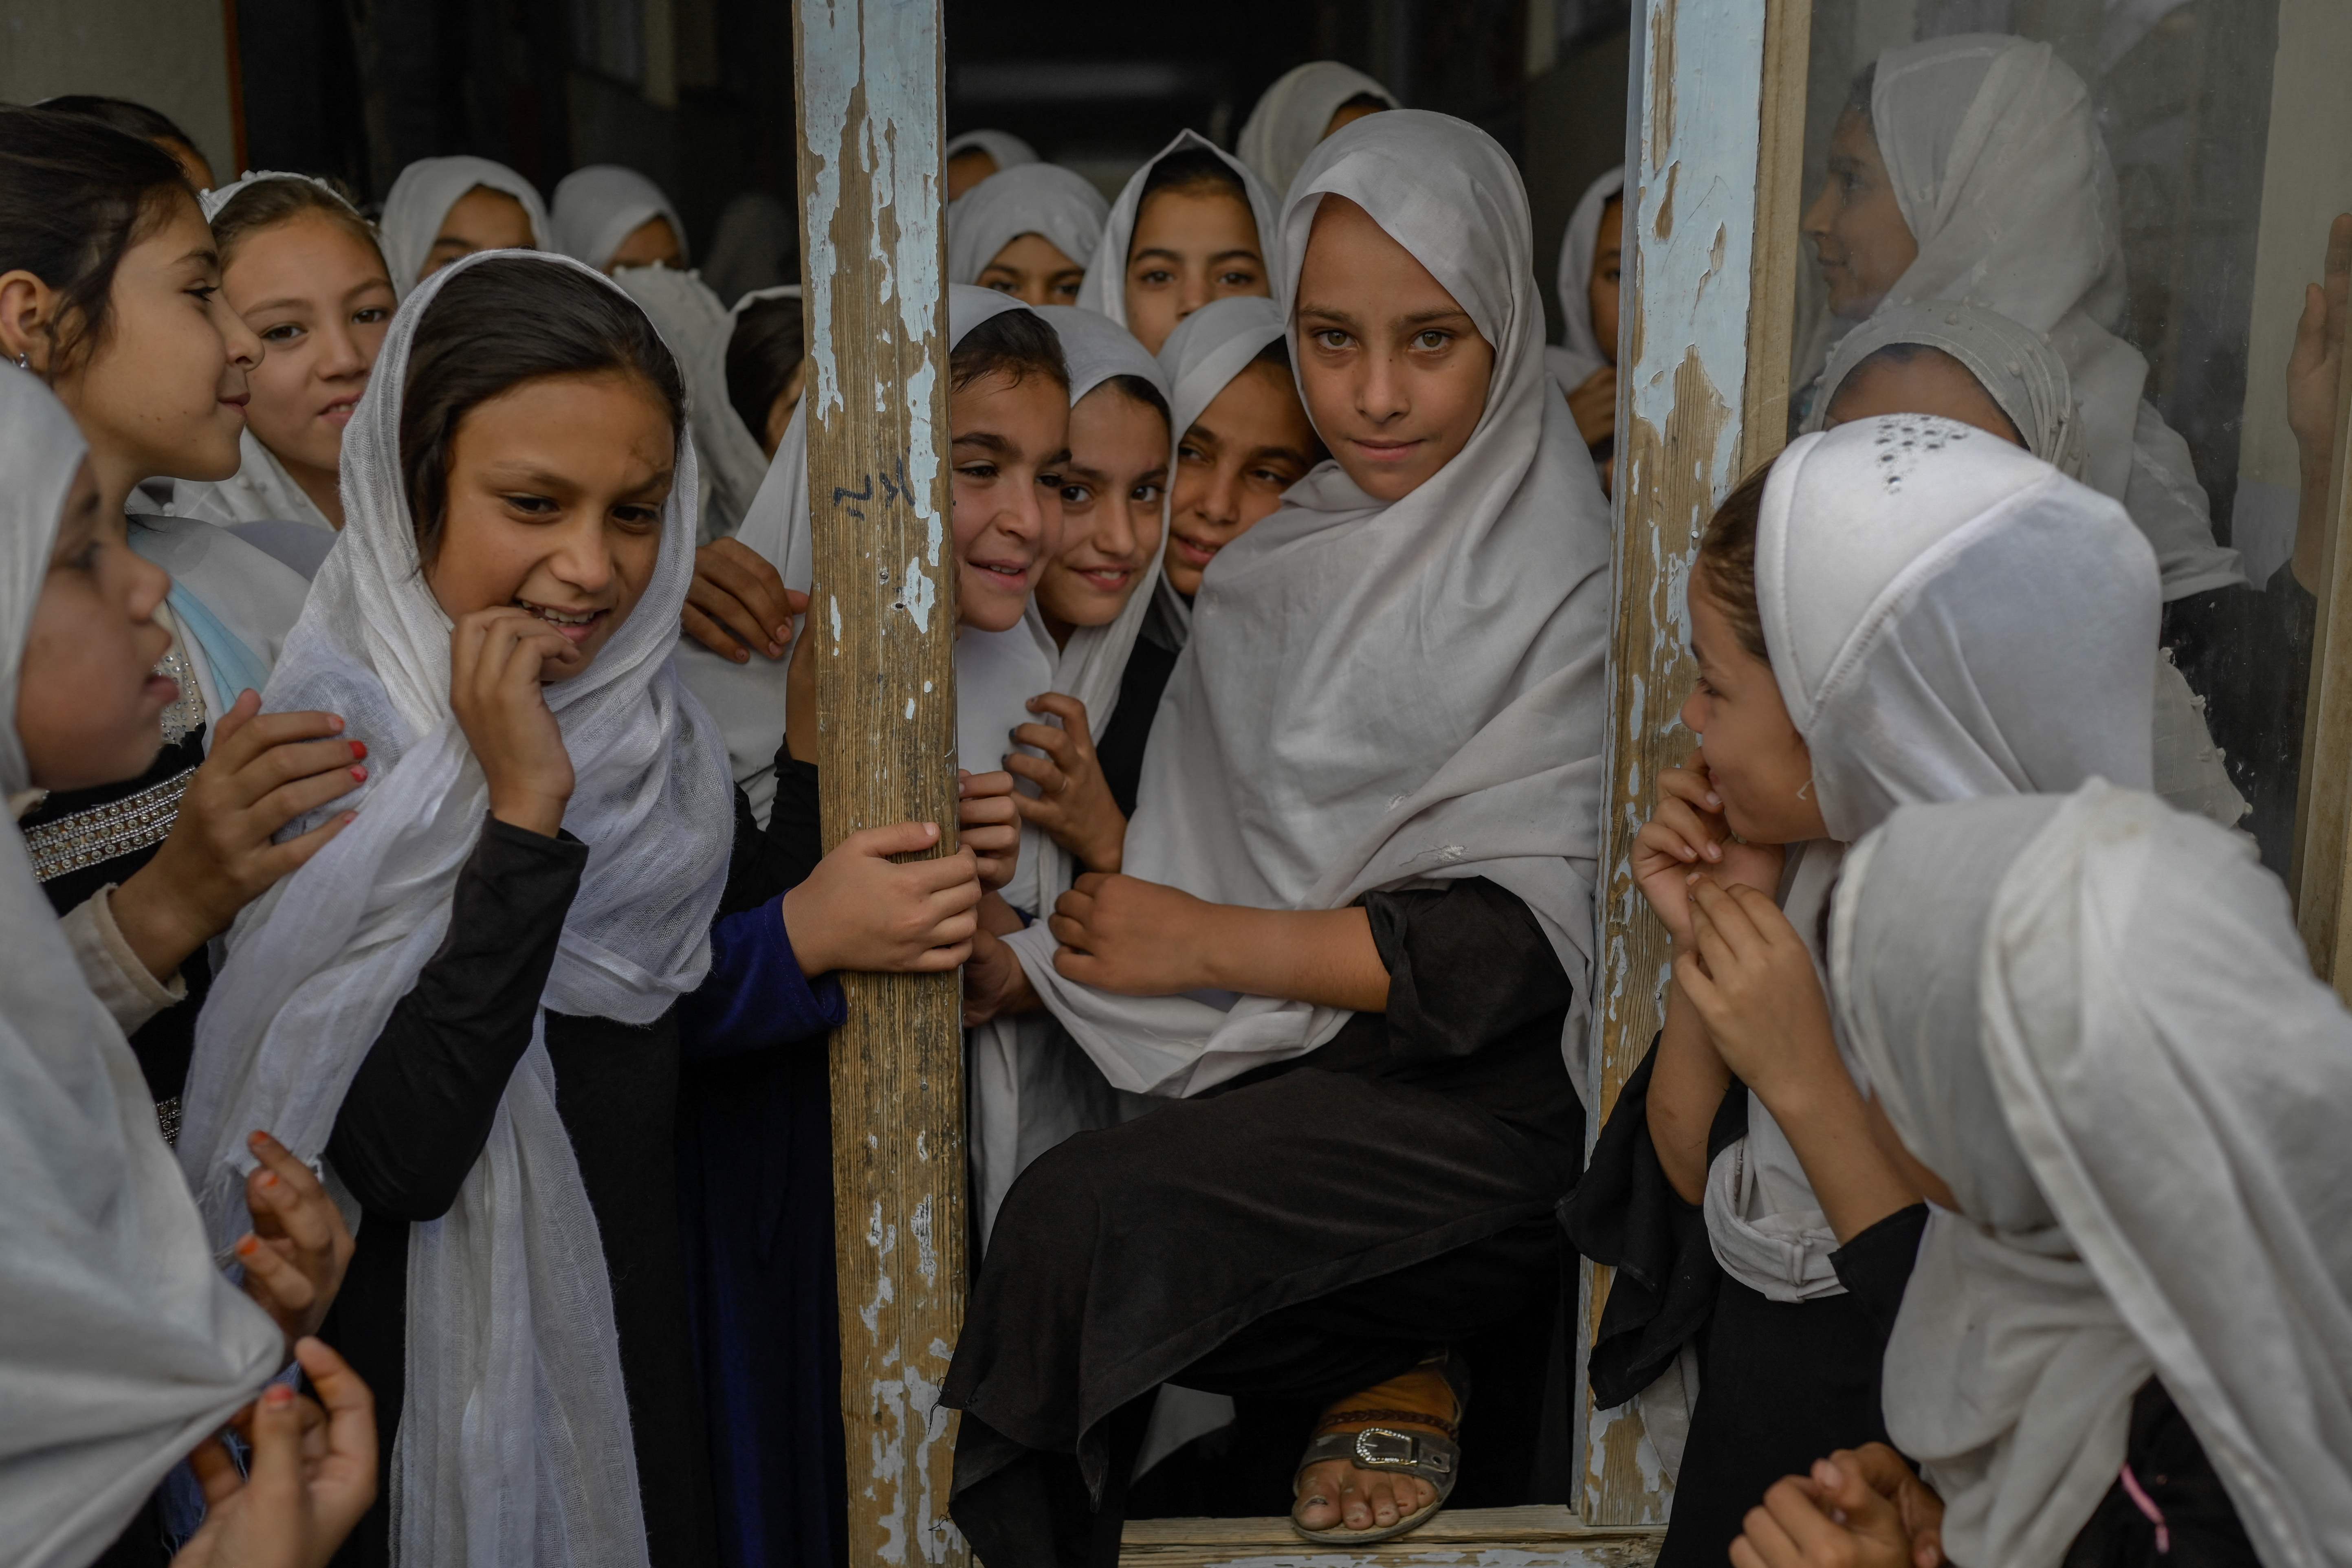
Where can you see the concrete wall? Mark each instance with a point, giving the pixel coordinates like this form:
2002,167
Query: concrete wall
171,54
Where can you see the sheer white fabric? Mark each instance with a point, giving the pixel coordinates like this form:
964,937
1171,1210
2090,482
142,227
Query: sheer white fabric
423,196
1948,617
1045,199
1383,695
2055,1000
514,1442
121,1345
1578,356
696,327
599,207
1289,118
1105,289
1009,151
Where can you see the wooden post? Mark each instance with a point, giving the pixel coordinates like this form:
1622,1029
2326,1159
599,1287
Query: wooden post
1713,167
883,612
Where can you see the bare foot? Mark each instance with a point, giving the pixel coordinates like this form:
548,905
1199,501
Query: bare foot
1336,1492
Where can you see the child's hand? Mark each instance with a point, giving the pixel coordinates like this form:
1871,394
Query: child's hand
994,983
738,602
861,909
313,1474
494,658
1748,972
990,823
1136,938
1073,801
1688,833
295,1254
1839,1517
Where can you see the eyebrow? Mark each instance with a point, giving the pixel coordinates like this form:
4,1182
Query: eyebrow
986,441
1260,454
1243,252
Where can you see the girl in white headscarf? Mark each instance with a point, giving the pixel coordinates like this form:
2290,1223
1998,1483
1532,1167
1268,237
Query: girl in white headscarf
1971,168
1584,360
1305,104
610,217
1028,232
443,209
767,356
302,269
697,329
1965,363
1194,223
1367,816
1901,609
976,156
2129,1334
122,1346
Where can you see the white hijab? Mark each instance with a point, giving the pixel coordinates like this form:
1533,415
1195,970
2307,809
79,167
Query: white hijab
1045,199
121,1345
1385,695
757,245
597,207
1289,118
514,1439
696,327
2093,1017
1579,355
1948,617
1200,360
423,196
1105,289
1994,151
1009,151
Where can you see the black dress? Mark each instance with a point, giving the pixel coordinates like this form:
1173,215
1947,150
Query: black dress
1314,1228
1120,749
417,1115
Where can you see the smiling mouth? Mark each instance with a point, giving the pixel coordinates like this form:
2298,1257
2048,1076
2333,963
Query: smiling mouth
1110,579
1193,553
576,625
1388,451
1011,575
339,412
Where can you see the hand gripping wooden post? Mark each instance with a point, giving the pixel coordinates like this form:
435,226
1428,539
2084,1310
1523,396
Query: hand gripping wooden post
883,617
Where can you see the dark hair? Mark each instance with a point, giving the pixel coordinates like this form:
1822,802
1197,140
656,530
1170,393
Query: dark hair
1196,172
130,118
1275,353
1135,389
74,195
500,323
1371,100
1016,343
266,204
1727,561
767,347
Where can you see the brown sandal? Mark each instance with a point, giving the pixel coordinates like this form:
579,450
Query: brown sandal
1432,1458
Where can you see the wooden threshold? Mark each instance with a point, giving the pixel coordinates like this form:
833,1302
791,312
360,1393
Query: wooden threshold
1538,1537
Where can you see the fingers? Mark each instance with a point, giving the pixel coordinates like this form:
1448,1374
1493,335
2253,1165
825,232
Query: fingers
707,631
988,810
1692,785
1054,741
237,745
216,1473
893,839
351,1407
1048,777
740,624
297,1195
977,787
1721,911
1070,934
276,1285
747,577
1770,1540
240,713
274,1477
1818,1537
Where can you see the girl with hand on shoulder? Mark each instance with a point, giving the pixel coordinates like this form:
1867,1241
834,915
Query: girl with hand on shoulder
122,1342
1901,609
109,291
1193,225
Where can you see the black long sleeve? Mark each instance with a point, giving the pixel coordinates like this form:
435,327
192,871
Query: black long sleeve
419,1109
1877,1265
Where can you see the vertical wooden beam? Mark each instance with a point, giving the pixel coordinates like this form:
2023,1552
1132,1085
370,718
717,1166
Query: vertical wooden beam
883,612
1712,165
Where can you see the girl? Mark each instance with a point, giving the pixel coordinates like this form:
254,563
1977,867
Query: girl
1965,363
1391,669
1193,224
122,1344
1305,104
301,269
108,291
443,209
1902,609
2131,1339
1585,362
767,356
975,155
147,124
1028,232
696,327
612,217
2021,219
1246,440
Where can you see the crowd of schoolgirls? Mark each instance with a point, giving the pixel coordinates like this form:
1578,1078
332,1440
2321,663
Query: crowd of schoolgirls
422,945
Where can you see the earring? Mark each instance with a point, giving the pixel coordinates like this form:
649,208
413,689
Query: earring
23,362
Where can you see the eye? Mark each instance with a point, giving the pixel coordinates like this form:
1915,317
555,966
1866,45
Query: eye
1065,292
86,558
637,519
284,332
1050,481
1188,453
203,293
530,505
1429,340
370,315
979,473
1333,339
1274,477
1001,286
1156,277
1077,495
1239,278
1146,492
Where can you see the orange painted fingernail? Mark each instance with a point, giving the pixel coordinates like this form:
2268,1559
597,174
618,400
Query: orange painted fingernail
277,1396
360,774
359,751
269,1178
247,1247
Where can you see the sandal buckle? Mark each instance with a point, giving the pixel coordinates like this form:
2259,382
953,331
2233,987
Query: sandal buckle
1378,1448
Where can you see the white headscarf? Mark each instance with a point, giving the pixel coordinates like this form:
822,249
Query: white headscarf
121,1345
261,490
1578,354
514,1442
597,207
1384,694
1105,289
1200,359
2093,1017
1009,151
1996,160
757,245
1045,199
423,196
1948,617
698,327
1289,118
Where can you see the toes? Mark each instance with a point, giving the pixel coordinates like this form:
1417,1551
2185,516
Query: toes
1318,1507
1384,1504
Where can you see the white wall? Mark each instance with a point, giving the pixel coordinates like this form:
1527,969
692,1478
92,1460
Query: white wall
172,55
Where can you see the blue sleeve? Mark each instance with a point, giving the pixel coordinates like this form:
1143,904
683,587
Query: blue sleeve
755,996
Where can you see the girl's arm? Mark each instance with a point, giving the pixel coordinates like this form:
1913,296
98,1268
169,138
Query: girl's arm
1687,1088
1140,939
